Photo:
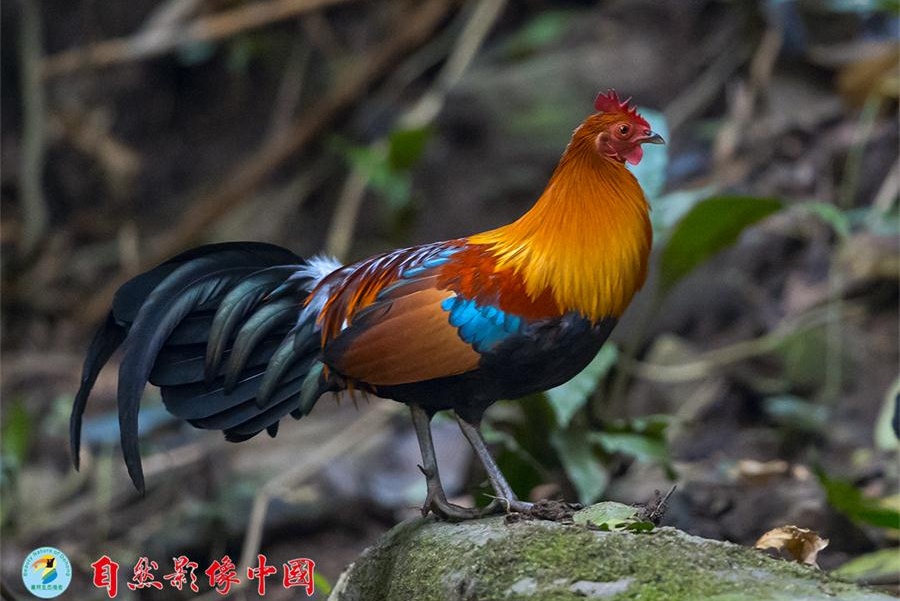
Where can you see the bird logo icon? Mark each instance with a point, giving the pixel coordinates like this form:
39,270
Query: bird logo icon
46,572
47,565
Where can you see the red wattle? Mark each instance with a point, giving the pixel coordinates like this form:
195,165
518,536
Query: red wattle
634,155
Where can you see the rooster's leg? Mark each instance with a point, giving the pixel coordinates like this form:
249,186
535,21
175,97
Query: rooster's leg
504,492
436,501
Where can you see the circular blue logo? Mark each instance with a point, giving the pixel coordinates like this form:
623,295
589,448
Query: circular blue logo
46,572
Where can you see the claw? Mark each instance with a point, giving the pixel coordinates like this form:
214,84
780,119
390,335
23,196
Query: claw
455,513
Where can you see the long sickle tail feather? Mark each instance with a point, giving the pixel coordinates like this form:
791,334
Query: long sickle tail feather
207,327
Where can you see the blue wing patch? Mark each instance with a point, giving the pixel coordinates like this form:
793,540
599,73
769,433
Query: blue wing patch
481,326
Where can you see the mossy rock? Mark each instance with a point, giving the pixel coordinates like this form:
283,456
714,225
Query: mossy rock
482,560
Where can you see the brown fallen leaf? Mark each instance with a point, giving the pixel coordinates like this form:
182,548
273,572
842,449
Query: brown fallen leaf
800,544
760,472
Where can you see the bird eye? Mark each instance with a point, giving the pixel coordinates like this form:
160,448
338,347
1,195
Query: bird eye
623,130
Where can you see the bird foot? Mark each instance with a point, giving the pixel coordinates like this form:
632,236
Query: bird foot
445,510
545,509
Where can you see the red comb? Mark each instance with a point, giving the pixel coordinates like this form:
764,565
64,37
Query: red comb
610,103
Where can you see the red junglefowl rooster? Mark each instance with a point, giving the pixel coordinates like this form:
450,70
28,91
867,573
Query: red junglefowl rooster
239,335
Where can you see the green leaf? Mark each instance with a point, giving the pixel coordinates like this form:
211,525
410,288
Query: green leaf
651,171
323,587
406,146
871,566
642,448
847,499
373,163
864,7
568,398
671,207
644,438
545,28
837,219
709,227
885,437
585,472
647,425
803,354
797,414
607,512
610,516
16,434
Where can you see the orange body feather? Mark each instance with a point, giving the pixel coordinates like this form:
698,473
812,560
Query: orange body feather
586,241
582,247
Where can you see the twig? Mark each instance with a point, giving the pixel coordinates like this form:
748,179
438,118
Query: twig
706,87
853,166
290,88
163,39
746,96
834,349
89,133
210,206
279,206
889,191
34,208
346,214
473,35
172,14
740,351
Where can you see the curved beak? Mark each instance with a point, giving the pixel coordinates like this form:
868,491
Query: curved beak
653,139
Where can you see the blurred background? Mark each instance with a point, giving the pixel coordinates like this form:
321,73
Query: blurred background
758,369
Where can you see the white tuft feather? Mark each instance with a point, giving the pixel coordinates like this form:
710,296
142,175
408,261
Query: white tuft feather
315,270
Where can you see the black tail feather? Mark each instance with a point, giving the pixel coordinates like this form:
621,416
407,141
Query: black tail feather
185,364
237,305
282,360
237,415
260,325
193,285
257,424
199,400
206,327
193,329
105,342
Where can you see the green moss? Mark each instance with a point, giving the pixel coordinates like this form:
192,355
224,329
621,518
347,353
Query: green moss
491,560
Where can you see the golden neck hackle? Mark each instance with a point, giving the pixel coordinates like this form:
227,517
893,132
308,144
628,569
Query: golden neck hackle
587,238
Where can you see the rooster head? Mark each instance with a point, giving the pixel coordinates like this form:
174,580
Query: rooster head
621,129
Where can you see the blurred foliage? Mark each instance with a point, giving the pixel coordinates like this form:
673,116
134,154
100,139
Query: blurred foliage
863,6
542,30
846,498
15,439
888,423
388,167
567,399
709,227
795,414
883,564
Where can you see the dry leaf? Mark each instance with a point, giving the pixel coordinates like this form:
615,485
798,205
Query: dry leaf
800,544
760,472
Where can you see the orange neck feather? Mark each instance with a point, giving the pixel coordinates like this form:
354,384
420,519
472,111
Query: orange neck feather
587,238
